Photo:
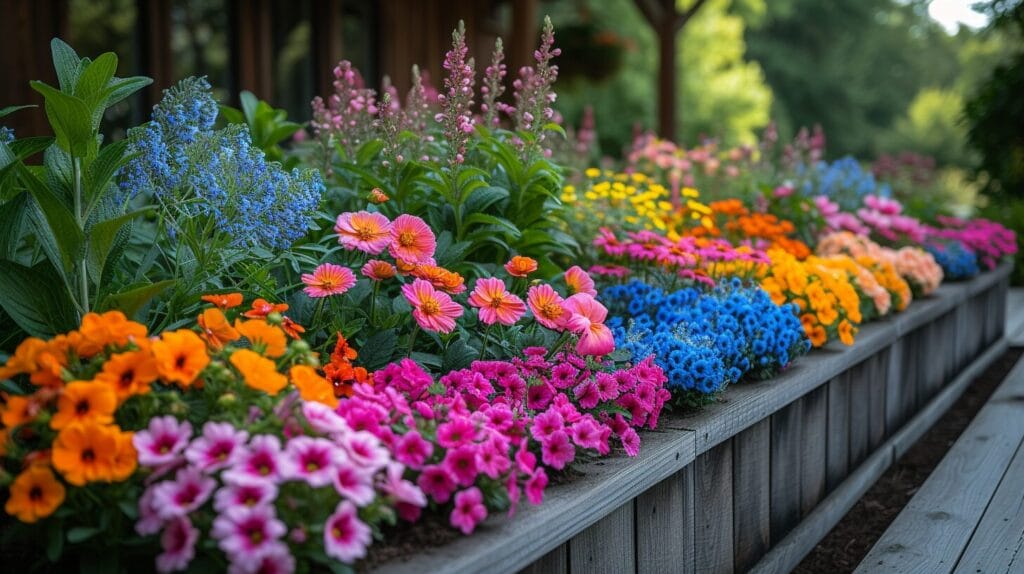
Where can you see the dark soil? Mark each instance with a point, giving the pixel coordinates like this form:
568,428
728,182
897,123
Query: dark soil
849,542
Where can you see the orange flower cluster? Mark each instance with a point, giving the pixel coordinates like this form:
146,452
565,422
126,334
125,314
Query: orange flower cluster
902,272
340,372
448,281
732,219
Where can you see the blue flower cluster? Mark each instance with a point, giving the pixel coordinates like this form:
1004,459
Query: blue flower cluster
957,261
196,172
6,135
706,339
844,181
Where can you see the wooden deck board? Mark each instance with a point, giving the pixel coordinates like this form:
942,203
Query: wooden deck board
1015,317
997,545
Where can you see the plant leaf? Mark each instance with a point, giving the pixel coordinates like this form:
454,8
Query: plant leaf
62,225
70,118
12,218
378,349
102,237
36,299
11,109
67,64
131,300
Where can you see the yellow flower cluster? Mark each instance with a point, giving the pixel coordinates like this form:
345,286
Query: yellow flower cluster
824,293
634,201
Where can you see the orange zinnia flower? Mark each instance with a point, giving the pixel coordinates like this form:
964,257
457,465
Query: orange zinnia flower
224,300
264,337
217,331
293,329
311,386
180,357
23,360
448,281
110,328
129,373
85,452
520,266
85,401
261,308
35,494
378,270
259,372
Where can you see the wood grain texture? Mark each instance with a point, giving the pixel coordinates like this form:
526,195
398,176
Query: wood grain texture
713,527
607,547
813,449
838,434
878,370
997,545
664,527
554,562
751,478
1014,323
785,481
860,412
933,529
894,387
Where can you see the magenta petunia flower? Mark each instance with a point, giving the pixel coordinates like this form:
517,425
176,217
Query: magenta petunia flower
413,450
437,482
460,462
345,536
261,460
546,423
251,493
492,457
323,418
328,279
178,542
403,491
189,490
149,521
274,559
217,448
630,441
586,433
469,510
245,532
162,442
354,483
535,486
587,394
311,460
557,451
368,232
456,432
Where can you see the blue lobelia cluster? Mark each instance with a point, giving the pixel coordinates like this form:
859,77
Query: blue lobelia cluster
198,173
957,261
843,181
705,340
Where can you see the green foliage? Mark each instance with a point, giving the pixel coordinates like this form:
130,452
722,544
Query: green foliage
933,126
267,126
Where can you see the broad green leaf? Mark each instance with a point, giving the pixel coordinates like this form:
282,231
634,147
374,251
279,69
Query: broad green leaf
553,127
368,151
95,77
487,219
11,109
131,300
120,88
378,349
457,356
70,118
102,237
81,534
67,64
483,199
62,225
35,297
249,104
28,147
283,132
12,218
231,115
103,169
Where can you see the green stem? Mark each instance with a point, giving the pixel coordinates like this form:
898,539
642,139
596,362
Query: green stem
558,345
487,338
83,270
412,338
373,303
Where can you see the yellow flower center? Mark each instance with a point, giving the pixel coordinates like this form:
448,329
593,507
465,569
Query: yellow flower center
430,307
406,238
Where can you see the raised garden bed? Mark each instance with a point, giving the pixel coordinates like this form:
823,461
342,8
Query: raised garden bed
757,479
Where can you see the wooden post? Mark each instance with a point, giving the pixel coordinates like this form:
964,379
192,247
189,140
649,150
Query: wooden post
26,28
327,43
251,58
154,45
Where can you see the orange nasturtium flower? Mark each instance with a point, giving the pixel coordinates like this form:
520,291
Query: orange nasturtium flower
258,371
224,300
261,308
129,373
85,401
35,494
217,331
180,356
86,452
264,337
293,329
520,266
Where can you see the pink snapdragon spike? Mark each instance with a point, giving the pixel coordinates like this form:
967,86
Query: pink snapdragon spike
163,441
345,536
457,100
495,304
433,310
328,280
189,490
245,532
469,510
587,321
217,448
368,232
493,86
178,542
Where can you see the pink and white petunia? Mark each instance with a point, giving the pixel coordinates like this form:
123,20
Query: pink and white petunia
345,536
178,542
245,532
162,442
217,448
189,490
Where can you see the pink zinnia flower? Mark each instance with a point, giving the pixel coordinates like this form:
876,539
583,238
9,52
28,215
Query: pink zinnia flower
495,303
311,459
345,536
437,482
378,270
587,321
535,486
557,451
163,441
433,310
354,483
253,493
259,461
178,542
546,305
412,450
412,240
187,492
245,532
328,279
218,447
469,510
362,230
579,282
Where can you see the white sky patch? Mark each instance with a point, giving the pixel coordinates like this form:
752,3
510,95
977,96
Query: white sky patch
952,13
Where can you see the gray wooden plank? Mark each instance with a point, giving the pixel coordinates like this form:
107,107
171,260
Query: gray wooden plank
713,542
813,449
607,547
877,383
893,387
997,545
751,479
910,366
838,434
785,463
933,529
1014,323
661,527
554,562
860,412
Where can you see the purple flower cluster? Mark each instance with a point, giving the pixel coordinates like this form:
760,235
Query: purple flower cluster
987,239
348,114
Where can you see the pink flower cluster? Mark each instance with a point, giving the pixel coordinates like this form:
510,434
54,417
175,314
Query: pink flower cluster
987,239
499,427
348,114
231,479
914,264
837,220
885,217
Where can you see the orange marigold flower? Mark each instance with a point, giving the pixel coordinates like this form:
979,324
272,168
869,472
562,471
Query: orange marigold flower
293,329
520,266
85,401
313,387
261,308
846,332
224,300
217,331
264,337
258,371
180,357
35,494
85,452
817,335
110,328
129,373
23,361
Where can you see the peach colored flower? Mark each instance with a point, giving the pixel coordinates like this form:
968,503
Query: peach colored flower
546,305
520,266
362,230
434,310
328,279
587,320
378,270
579,281
494,303
412,241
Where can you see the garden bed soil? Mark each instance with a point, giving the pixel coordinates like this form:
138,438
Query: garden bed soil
849,542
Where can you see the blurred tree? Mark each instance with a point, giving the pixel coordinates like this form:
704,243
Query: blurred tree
933,126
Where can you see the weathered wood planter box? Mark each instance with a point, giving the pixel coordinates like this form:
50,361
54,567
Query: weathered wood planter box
754,482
